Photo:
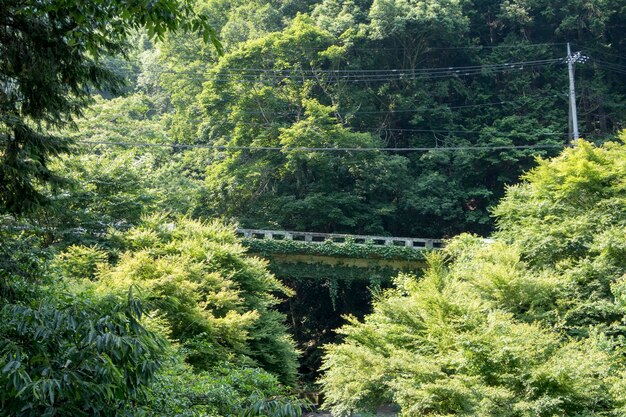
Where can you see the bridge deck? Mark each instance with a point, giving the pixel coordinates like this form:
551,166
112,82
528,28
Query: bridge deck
317,238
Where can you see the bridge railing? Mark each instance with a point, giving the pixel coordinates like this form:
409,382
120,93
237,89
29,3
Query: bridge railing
313,237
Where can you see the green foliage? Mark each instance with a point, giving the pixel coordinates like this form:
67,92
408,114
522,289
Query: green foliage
303,103
78,262
345,191
436,194
83,357
215,301
225,391
569,202
122,119
22,262
339,16
250,20
568,215
339,273
532,327
342,250
114,187
455,342
529,329
279,407
86,353
109,189
51,59
398,18
78,344
189,94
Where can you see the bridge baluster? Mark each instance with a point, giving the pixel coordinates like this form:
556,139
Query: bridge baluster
309,237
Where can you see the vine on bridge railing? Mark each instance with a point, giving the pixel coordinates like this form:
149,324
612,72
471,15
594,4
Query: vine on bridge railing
348,249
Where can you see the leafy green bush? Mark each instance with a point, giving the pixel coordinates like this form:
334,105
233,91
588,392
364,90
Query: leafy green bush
452,344
567,204
79,345
67,353
22,262
79,262
225,390
568,217
102,190
86,356
532,325
214,300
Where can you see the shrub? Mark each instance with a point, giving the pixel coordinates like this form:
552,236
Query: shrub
83,356
217,302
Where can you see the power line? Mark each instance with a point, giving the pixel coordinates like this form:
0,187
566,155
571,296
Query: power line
404,110
228,78
620,69
372,72
443,48
612,69
518,46
612,64
393,70
459,131
390,129
319,149
252,74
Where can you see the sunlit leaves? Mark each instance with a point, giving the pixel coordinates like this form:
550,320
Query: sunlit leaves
532,327
445,345
567,202
211,298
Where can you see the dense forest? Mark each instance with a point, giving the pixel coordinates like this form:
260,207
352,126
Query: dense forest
135,138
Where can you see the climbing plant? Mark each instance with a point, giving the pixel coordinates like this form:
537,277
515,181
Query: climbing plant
346,250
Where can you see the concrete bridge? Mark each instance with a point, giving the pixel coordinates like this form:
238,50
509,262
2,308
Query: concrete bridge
312,237
310,255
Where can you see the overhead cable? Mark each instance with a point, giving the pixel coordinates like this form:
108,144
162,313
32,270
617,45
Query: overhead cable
390,71
391,129
319,149
434,106
254,75
442,48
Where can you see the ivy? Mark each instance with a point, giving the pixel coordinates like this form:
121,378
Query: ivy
302,271
342,250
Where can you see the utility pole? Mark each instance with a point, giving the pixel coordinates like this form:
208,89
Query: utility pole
573,117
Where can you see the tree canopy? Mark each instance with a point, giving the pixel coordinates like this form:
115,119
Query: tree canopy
132,142
380,69
531,325
51,60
